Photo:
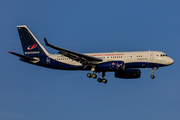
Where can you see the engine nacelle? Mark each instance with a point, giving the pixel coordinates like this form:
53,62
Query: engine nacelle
111,66
128,73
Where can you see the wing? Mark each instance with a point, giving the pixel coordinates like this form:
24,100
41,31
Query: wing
83,59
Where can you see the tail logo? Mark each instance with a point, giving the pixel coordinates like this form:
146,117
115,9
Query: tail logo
32,47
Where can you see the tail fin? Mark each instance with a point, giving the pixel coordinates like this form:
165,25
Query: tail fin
31,46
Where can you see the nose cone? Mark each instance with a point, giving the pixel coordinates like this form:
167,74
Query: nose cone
170,61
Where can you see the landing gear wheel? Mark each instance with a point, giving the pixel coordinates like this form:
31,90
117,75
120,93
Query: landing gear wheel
99,80
152,76
89,75
104,81
154,68
94,76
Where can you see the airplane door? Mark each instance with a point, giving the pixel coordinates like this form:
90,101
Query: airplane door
47,60
150,62
152,56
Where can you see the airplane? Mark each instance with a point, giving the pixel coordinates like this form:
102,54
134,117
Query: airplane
125,65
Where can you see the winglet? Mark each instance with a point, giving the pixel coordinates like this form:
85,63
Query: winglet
10,52
46,42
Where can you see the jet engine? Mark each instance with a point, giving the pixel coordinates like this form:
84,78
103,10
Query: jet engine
111,66
128,73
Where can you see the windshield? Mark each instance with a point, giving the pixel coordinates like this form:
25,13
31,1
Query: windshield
163,55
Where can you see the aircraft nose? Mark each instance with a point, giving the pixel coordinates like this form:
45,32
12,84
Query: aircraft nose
171,61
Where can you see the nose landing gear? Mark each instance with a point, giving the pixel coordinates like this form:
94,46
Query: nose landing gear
152,76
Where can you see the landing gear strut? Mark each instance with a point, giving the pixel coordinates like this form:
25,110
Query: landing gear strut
152,76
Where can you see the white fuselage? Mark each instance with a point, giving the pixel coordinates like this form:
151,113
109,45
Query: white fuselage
128,57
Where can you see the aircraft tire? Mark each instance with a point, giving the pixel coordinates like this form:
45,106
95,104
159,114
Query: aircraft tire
104,81
94,76
99,80
152,76
89,75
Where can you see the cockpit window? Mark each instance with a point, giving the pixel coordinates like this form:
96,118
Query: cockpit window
163,55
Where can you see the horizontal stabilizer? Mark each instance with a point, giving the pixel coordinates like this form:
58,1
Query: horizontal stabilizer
22,56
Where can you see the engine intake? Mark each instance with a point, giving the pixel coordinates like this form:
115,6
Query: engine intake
128,73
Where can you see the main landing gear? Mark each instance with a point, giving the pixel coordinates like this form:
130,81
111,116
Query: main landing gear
103,79
89,75
152,76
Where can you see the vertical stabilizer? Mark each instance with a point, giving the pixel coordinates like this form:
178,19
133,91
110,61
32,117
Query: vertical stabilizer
31,46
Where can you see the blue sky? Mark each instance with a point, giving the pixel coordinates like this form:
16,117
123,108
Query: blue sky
32,92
